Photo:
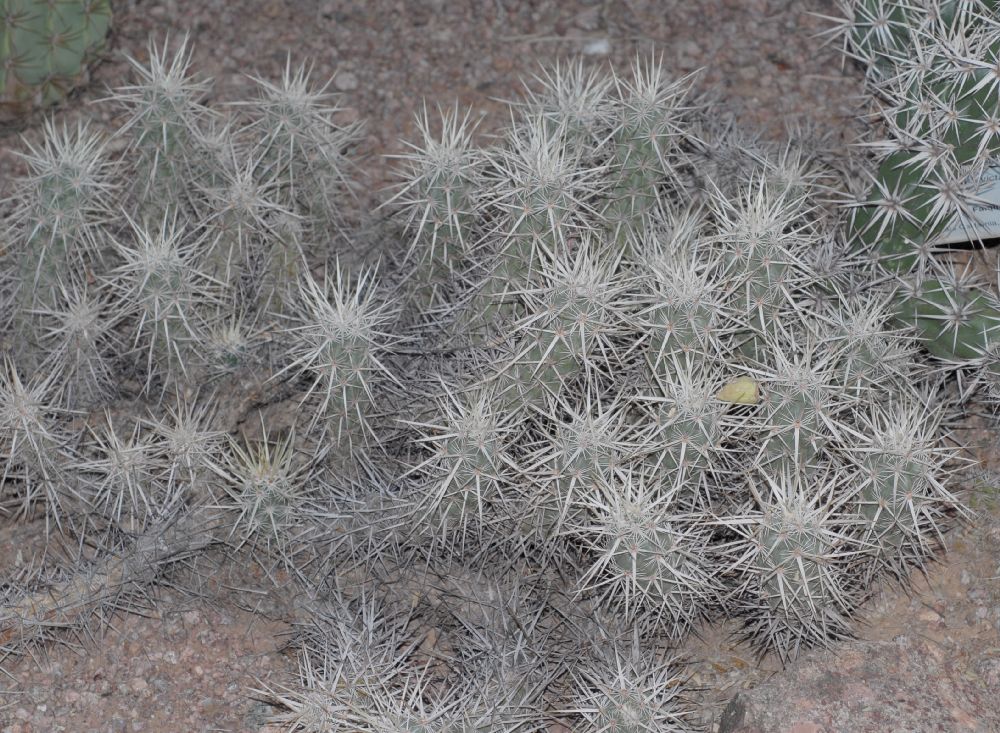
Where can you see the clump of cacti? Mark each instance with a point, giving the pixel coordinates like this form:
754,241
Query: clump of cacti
607,388
46,47
932,66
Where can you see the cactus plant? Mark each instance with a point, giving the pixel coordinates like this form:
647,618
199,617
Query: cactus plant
612,384
162,291
903,494
632,694
440,193
793,545
57,227
35,445
934,65
46,47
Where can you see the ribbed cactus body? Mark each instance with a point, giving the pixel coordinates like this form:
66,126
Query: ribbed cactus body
469,473
45,48
339,343
796,547
576,457
800,408
164,293
59,225
633,695
955,321
441,196
872,355
34,446
902,497
650,558
687,432
935,65
647,128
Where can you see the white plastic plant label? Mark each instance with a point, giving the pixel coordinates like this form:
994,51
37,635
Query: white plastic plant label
985,222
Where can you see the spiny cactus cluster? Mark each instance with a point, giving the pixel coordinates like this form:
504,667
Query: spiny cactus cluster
622,376
932,66
45,47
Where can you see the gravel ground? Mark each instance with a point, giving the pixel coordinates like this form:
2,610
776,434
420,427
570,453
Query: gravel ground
189,664
388,58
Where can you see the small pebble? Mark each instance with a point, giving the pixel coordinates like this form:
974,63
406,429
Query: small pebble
345,81
690,48
929,616
598,47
